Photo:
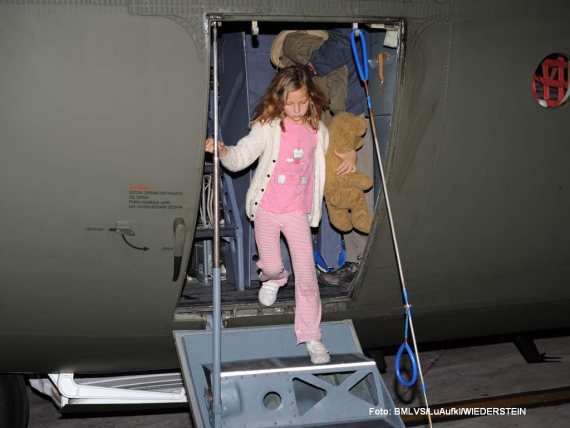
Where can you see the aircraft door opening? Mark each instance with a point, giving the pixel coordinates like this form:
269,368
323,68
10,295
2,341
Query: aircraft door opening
245,70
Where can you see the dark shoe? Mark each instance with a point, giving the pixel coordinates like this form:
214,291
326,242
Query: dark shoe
343,276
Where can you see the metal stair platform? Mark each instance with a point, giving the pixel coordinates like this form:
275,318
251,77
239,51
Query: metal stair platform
268,381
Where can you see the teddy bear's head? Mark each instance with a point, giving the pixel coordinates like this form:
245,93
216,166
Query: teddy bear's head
346,131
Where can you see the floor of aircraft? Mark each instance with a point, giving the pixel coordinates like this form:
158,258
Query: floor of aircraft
196,293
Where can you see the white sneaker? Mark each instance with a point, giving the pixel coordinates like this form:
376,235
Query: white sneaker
268,293
318,352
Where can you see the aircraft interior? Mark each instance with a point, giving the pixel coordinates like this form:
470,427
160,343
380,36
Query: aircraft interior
244,72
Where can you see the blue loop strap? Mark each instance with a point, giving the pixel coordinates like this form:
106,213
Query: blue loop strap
405,347
361,66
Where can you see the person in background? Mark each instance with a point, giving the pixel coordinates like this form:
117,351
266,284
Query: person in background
333,53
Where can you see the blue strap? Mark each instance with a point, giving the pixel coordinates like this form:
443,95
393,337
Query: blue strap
405,347
323,266
361,66
341,258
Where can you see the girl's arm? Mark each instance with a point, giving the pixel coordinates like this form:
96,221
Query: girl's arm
348,164
246,151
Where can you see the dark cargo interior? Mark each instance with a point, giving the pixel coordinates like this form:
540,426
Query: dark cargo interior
244,72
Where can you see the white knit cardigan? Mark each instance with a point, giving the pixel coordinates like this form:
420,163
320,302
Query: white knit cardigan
263,142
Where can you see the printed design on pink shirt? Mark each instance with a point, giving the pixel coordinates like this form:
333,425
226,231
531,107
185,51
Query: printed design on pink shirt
295,171
289,188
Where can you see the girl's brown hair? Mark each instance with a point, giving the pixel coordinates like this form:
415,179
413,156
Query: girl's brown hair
287,80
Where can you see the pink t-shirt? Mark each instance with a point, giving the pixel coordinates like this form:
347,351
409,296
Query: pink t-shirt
291,186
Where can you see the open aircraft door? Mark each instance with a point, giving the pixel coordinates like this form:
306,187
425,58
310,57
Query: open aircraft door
99,129
256,376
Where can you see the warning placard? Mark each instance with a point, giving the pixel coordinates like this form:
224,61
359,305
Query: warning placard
146,198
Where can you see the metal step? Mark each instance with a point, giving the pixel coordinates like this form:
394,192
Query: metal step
268,380
66,389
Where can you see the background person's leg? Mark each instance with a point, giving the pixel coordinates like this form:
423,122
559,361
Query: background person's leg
355,242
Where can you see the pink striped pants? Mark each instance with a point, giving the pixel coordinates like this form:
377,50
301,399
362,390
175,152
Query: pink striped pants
295,227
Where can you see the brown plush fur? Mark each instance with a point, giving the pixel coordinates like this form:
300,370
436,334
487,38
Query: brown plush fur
344,194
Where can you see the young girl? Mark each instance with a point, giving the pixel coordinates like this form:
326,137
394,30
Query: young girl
285,195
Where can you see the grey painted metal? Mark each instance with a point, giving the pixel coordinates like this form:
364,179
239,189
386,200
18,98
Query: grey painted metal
261,361
289,393
96,128
97,96
217,349
217,289
475,248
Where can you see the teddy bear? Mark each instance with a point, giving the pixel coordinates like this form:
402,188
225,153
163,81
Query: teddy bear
344,194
